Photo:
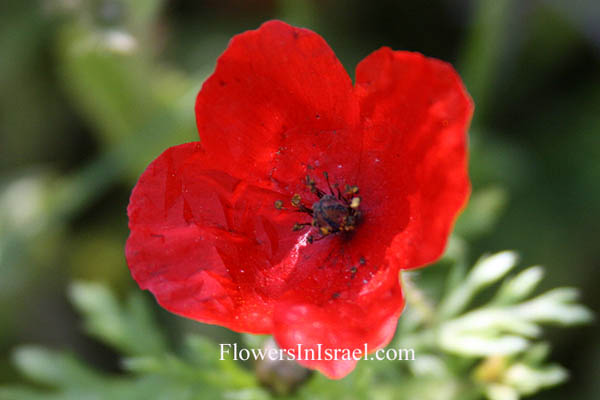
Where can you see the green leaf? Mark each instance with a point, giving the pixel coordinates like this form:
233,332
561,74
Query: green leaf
520,286
201,363
501,392
490,269
108,85
528,380
52,367
555,306
487,270
129,328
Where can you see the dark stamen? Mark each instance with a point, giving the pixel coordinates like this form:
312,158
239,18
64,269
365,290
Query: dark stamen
328,184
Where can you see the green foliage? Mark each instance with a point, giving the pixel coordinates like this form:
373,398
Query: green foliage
152,371
494,342
128,328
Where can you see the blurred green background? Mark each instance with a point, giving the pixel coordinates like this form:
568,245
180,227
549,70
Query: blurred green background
92,91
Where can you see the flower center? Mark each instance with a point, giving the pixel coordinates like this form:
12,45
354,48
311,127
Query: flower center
333,212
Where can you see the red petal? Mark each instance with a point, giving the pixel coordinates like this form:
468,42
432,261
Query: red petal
415,112
349,323
271,87
345,294
203,241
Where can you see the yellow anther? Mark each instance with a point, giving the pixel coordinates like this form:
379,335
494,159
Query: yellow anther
296,200
355,202
350,189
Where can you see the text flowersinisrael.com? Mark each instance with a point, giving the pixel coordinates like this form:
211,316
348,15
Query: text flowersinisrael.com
320,353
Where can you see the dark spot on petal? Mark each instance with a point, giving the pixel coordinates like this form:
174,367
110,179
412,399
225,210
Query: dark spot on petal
362,261
335,295
317,116
222,83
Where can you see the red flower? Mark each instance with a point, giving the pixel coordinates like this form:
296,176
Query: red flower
216,234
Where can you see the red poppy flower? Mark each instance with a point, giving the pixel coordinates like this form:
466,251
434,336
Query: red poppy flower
306,195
